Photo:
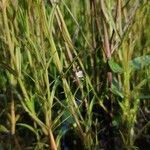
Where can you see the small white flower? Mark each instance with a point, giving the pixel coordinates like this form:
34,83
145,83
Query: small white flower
79,74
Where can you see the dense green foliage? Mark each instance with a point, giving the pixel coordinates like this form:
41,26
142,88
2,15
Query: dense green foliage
74,74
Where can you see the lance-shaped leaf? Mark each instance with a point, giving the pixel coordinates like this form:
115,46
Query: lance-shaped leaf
116,68
3,129
116,89
8,68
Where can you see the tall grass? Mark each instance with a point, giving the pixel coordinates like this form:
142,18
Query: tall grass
73,68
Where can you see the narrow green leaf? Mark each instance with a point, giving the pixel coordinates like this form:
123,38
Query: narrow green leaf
114,66
30,105
3,129
28,127
8,68
34,117
116,89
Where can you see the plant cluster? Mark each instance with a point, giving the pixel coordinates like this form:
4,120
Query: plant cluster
74,74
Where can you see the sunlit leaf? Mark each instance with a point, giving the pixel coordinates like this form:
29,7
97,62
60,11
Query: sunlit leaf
3,129
114,66
8,68
31,105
